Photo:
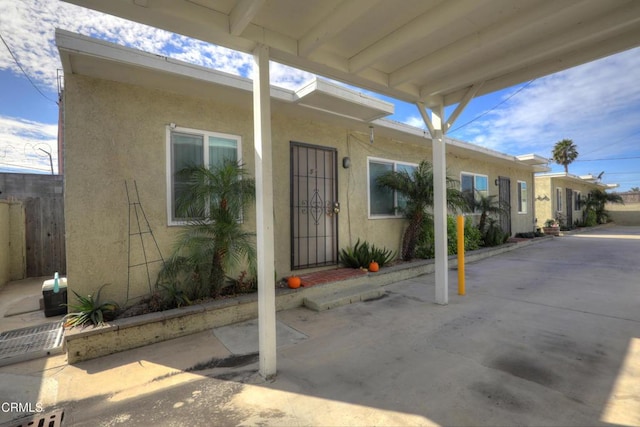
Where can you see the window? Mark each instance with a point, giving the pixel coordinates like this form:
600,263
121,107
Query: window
558,199
473,185
522,197
190,147
383,202
577,200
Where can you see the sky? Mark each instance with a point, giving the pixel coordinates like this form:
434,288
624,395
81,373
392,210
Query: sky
597,105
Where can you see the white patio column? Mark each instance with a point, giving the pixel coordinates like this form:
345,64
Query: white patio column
440,205
264,212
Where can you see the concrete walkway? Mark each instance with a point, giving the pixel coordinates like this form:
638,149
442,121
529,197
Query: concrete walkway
547,335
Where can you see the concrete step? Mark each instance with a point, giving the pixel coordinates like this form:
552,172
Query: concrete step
344,297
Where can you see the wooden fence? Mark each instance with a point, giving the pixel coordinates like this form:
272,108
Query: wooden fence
42,196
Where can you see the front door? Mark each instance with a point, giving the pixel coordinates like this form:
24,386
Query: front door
504,198
314,206
569,207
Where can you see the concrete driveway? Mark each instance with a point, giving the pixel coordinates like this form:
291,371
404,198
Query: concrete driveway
548,334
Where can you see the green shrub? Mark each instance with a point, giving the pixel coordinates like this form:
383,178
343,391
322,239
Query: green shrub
590,218
472,238
493,235
530,234
245,283
361,254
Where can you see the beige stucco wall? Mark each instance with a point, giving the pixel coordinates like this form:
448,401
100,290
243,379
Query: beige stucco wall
117,133
5,243
627,214
546,187
12,241
520,222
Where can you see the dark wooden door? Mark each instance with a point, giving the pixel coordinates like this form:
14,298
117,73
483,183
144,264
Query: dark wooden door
504,198
569,194
314,206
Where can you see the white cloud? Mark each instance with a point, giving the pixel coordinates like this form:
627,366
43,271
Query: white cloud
415,121
28,27
594,105
25,143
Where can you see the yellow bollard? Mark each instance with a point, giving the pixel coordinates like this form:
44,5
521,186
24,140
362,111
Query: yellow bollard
460,223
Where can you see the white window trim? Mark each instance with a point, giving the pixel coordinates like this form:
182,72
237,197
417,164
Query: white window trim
576,196
559,201
526,199
394,164
474,175
169,163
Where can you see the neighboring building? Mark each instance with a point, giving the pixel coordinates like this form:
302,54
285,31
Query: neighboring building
561,196
133,116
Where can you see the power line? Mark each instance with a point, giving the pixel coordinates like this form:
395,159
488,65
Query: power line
613,143
601,160
623,173
494,107
23,71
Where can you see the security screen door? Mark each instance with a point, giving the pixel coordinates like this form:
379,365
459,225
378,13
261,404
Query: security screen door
314,206
504,198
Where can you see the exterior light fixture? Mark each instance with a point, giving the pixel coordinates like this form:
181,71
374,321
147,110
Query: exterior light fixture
371,134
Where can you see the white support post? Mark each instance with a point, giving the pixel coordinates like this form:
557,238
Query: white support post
264,212
440,205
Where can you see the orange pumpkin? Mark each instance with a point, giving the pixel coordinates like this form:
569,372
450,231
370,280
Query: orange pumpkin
294,282
373,266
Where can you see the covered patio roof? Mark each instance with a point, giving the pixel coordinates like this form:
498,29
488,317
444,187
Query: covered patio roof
413,50
433,53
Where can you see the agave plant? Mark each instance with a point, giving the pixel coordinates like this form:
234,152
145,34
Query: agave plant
90,311
361,254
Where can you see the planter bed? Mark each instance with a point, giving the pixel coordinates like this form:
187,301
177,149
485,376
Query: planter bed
124,334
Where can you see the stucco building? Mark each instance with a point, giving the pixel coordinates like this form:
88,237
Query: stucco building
561,196
131,116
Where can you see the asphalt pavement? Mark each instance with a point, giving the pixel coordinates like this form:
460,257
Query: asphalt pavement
548,334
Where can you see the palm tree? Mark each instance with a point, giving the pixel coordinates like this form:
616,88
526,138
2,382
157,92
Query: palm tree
564,153
596,201
417,189
214,239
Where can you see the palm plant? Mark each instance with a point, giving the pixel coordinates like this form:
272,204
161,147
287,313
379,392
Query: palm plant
417,189
564,153
214,240
487,205
596,201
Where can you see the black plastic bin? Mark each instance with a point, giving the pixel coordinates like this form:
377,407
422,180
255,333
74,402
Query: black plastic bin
54,301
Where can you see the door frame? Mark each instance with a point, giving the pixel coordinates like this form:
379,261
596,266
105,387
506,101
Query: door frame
336,238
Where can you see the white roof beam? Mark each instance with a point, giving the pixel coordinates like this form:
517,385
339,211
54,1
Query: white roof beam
242,14
339,19
602,28
439,59
421,27
473,90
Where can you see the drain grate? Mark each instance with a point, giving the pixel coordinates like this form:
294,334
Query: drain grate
51,419
30,343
